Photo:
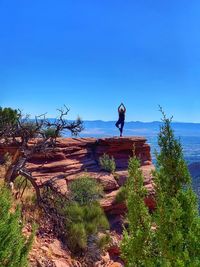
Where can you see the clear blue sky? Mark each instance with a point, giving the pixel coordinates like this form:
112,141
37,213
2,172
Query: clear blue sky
91,55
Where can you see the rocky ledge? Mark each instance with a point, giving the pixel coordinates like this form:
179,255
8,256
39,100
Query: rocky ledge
74,157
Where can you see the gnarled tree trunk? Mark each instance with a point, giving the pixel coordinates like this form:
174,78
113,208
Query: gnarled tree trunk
11,172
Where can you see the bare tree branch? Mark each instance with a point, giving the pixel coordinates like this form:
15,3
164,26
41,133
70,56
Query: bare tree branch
30,137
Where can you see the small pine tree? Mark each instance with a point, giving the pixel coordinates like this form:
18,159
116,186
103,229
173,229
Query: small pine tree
175,242
14,247
80,216
176,216
136,246
107,163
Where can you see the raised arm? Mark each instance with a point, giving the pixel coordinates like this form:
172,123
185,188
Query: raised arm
123,107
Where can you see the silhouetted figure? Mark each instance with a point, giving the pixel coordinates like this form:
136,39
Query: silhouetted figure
121,111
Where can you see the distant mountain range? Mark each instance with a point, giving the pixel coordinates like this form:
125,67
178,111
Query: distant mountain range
107,128
104,128
189,134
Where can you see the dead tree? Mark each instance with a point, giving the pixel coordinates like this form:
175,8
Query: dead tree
31,137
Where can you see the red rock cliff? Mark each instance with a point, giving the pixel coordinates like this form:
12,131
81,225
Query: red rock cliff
74,156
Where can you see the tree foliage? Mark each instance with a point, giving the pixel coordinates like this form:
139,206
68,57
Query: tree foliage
8,119
14,247
176,216
136,246
121,195
175,240
50,132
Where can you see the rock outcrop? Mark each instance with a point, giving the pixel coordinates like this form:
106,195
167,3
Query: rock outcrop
75,157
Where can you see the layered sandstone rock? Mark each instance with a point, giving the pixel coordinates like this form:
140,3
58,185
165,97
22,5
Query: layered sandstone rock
75,157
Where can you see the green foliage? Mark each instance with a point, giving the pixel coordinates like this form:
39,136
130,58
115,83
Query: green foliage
85,190
103,241
136,246
13,121
196,187
178,231
107,163
121,195
51,132
82,222
8,116
175,242
14,247
20,180
80,216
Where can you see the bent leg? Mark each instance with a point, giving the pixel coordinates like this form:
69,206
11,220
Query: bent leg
117,123
121,129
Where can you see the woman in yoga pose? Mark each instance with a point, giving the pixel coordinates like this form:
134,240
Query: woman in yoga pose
121,112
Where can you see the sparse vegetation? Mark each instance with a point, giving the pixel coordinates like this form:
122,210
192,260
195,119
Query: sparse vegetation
85,190
19,182
84,216
79,216
107,163
51,132
25,196
82,222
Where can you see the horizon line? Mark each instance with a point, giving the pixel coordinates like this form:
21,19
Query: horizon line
186,122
